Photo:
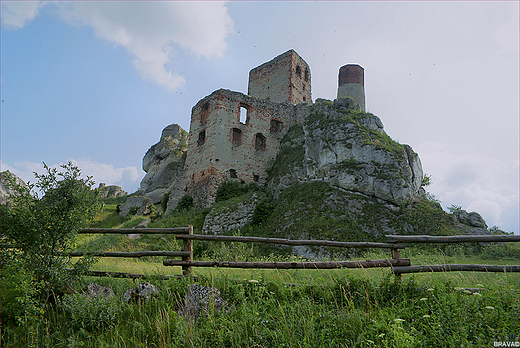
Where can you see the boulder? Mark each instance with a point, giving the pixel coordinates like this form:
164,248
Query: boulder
110,191
164,165
136,205
94,290
200,299
142,292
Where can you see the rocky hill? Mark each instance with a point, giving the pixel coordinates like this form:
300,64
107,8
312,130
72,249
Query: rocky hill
339,176
164,166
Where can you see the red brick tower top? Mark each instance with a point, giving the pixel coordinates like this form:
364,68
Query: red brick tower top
351,83
351,73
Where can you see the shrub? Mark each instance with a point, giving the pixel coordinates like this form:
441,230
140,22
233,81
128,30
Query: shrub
230,189
185,203
43,229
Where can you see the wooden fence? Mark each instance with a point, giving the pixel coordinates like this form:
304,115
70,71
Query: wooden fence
393,243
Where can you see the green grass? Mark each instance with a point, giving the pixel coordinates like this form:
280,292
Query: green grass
330,308
281,308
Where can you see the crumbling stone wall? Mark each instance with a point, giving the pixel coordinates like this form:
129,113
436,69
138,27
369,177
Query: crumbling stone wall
222,147
286,78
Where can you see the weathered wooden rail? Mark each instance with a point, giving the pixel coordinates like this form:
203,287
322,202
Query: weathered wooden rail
393,243
398,270
186,252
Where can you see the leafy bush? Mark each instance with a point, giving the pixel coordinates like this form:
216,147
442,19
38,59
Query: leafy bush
185,203
43,229
230,189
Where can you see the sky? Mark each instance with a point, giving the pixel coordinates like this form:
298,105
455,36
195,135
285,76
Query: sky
96,82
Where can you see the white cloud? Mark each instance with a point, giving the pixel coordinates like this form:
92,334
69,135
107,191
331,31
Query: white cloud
155,32
487,185
128,177
15,14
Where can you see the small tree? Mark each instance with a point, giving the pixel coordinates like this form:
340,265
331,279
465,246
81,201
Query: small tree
43,229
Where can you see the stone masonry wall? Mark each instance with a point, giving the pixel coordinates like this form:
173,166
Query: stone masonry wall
221,147
286,78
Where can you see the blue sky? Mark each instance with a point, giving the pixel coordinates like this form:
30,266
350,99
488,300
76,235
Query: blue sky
96,82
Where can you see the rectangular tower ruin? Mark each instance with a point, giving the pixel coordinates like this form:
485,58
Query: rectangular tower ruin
286,78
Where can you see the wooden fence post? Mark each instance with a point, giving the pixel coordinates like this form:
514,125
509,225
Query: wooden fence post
187,245
396,254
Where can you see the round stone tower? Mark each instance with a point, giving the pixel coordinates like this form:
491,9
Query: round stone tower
351,84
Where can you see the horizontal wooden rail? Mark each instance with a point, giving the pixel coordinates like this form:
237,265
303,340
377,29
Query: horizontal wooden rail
246,239
456,267
293,265
175,230
451,239
127,254
129,275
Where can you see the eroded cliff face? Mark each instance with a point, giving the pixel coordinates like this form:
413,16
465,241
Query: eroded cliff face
164,165
348,149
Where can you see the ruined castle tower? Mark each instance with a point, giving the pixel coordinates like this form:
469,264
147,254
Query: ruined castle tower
286,78
351,84
225,146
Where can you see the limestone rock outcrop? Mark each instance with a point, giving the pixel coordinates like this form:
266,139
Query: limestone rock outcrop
164,165
136,205
110,191
5,187
350,150
225,218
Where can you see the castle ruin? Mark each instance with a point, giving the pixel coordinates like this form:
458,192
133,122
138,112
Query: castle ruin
234,136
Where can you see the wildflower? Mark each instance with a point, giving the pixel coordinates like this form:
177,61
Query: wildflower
424,299
430,289
426,316
253,281
490,308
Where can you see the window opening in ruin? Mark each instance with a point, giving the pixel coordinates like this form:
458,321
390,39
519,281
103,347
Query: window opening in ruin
244,113
232,173
306,74
259,142
304,99
236,137
204,113
298,71
256,178
202,138
276,126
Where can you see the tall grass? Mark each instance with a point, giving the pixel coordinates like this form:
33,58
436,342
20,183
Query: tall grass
328,308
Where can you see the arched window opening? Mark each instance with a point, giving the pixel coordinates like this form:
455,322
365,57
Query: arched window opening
204,113
259,142
236,137
306,74
298,71
244,113
256,178
232,174
276,126
202,138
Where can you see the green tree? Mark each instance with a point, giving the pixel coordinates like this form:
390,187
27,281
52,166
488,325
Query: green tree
41,222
